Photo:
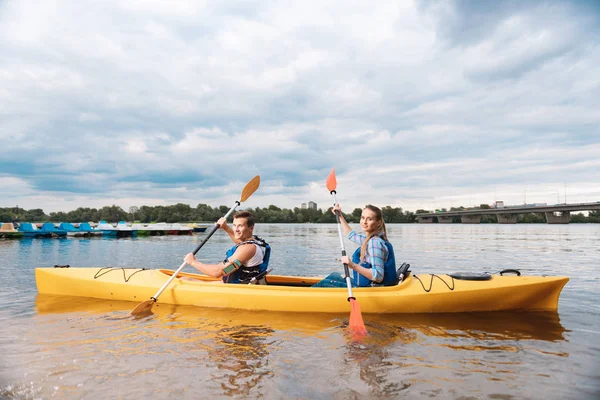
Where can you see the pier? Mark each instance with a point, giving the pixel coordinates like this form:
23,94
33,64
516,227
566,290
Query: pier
555,214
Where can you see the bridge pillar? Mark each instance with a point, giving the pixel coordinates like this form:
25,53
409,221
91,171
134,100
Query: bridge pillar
424,220
444,220
507,218
558,217
470,219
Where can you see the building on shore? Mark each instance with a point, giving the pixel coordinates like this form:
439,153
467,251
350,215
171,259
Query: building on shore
310,205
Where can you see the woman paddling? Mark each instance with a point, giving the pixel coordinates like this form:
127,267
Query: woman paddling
373,263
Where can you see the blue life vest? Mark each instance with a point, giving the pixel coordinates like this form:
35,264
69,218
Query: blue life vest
245,274
389,269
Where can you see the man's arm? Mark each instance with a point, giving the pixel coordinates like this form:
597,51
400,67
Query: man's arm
214,270
243,253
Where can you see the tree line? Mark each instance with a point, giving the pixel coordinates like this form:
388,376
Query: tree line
205,213
185,213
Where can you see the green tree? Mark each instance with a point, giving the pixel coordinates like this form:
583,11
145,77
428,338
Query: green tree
355,216
578,218
594,216
271,214
58,216
299,216
6,216
34,215
133,213
531,218
390,214
112,214
489,219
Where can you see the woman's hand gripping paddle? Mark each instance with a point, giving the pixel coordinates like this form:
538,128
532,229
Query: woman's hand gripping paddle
356,323
145,307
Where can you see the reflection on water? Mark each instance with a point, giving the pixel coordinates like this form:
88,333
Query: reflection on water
240,353
88,344
484,325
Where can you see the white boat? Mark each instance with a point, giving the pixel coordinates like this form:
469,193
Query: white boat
179,229
110,230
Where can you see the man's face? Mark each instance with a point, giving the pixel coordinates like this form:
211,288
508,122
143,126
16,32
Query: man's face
241,230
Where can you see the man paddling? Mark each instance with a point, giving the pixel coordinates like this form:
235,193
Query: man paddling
245,260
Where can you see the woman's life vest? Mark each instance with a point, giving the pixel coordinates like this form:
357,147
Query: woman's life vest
245,273
389,269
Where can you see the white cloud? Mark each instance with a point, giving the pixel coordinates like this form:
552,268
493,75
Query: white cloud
415,104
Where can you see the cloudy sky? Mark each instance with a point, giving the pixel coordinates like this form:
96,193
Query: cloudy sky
423,104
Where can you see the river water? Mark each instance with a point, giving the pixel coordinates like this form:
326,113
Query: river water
54,347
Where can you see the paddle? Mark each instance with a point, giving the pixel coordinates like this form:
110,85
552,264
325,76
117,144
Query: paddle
146,306
356,323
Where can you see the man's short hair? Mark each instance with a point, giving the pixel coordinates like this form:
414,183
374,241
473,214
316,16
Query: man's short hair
247,215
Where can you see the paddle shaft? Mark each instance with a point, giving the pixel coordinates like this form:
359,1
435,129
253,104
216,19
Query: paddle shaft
210,233
346,271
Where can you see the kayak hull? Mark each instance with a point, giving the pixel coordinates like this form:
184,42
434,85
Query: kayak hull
423,293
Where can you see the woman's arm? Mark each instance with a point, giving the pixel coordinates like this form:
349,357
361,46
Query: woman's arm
345,227
376,255
366,272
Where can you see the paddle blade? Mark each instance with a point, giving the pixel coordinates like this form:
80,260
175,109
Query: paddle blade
356,323
250,188
331,182
144,308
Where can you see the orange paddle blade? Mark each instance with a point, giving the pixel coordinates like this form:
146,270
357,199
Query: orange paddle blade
331,182
144,308
250,188
356,323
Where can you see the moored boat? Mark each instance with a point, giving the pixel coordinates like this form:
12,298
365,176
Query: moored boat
172,229
70,229
158,229
179,229
141,229
423,293
32,231
8,231
198,228
49,227
83,229
128,231
87,228
109,230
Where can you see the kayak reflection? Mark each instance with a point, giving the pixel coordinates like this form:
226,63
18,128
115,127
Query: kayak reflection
192,316
500,325
392,359
242,352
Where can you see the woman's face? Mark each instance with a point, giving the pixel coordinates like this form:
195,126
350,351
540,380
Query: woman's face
368,221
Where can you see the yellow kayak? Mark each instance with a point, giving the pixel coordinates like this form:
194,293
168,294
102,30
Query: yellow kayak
422,293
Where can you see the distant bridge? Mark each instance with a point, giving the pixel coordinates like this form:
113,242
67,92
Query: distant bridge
555,214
